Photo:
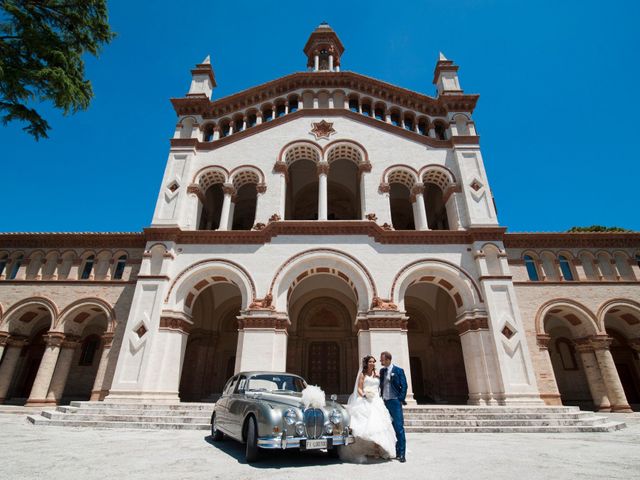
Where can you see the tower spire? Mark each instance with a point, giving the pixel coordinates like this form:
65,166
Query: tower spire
323,49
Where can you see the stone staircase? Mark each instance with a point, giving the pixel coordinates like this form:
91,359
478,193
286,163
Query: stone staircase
423,419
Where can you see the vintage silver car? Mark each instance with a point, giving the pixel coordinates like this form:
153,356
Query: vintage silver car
264,410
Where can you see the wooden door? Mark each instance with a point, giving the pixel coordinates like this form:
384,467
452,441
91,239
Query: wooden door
324,366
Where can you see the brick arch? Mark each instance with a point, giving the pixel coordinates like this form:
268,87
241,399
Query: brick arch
12,312
461,286
244,174
399,173
438,175
352,150
67,313
299,150
317,261
618,306
579,318
209,175
192,280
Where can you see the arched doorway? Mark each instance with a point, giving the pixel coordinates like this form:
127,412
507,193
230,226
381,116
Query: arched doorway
435,351
209,358
28,365
302,191
343,191
322,342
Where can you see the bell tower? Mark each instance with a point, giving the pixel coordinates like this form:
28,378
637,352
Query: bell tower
323,50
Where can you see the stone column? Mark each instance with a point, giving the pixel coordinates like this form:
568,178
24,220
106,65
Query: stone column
609,372
594,376
9,363
452,205
281,168
386,330
262,341
547,379
38,395
316,62
479,362
232,209
331,63
98,392
61,373
417,197
228,191
323,172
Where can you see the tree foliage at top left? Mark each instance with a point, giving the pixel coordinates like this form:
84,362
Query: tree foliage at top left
41,48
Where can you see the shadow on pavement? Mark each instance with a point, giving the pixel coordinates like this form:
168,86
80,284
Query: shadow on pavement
275,459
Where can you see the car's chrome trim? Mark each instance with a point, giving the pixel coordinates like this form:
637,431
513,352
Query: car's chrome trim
294,442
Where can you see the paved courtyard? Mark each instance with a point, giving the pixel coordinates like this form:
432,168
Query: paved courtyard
33,452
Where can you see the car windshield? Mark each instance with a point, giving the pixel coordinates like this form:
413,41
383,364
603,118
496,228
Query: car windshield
266,382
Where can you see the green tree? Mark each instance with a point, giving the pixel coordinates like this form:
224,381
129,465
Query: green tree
41,48
597,228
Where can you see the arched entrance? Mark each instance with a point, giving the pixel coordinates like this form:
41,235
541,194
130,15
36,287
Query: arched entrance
209,358
435,351
322,342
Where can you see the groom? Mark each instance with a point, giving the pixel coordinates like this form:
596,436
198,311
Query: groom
393,390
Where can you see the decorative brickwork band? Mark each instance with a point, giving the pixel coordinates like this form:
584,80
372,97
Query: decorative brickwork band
4,338
175,324
262,322
543,341
473,324
107,340
383,322
54,339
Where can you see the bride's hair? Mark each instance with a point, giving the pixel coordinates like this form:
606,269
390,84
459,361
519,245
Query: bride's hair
365,363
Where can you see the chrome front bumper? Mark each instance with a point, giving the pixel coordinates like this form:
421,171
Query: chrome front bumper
283,442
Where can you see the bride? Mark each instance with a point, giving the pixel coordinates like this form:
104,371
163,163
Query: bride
370,419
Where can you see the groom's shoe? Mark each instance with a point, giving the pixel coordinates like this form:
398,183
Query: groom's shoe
401,459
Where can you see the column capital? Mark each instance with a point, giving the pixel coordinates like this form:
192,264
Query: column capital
17,341
383,320
543,341
472,324
280,167
384,188
261,187
263,319
417,189
4,338
70,341
583,344
323,168
601,342
364,167
54,339
175,324
107,339
228,189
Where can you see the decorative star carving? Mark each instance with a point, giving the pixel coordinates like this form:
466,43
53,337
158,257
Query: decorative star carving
322,129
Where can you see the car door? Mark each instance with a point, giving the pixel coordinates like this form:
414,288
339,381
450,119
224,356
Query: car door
236,407
222,405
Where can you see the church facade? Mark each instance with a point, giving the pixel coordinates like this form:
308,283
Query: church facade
309,221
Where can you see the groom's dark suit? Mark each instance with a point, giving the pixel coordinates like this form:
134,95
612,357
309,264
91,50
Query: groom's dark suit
398,389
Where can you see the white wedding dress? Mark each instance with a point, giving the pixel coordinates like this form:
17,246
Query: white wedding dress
370,424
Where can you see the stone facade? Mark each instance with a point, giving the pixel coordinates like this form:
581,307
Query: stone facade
303,224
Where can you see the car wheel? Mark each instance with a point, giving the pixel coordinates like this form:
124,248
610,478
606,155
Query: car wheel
216,435
252,452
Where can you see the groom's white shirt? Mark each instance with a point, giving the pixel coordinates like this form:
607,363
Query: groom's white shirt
386,388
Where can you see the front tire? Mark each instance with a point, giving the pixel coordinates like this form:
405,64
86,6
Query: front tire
216,435
252,452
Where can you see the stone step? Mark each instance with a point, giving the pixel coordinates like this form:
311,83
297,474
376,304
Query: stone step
39,420
135,411
470,409
605,427
126,418
503,423
144,406
490,416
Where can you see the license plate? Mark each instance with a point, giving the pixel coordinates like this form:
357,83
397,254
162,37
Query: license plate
313,444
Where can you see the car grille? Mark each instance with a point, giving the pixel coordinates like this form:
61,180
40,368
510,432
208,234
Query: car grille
314,422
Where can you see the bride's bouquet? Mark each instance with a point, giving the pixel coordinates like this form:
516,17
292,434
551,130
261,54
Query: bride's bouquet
370,393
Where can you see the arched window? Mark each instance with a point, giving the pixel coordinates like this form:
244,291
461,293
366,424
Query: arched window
353,105
120,264
15,266
408,123
280,110
3,263
366,109
225,129
567,354
267,114
88,266
423,127
395,119
238,125
88,352
293,105
441,131
379,114
565,268
208,133
532,270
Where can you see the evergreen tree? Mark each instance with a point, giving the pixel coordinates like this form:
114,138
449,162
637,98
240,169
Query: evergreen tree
41,48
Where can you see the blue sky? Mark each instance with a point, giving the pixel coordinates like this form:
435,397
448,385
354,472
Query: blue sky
557,82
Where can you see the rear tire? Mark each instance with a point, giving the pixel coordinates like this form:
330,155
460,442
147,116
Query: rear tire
216,435
252,452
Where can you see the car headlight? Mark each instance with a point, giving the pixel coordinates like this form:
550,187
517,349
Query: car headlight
328,428
335,416
290,416
300,429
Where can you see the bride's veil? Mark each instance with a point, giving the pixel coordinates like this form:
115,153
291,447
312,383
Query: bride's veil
354,396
